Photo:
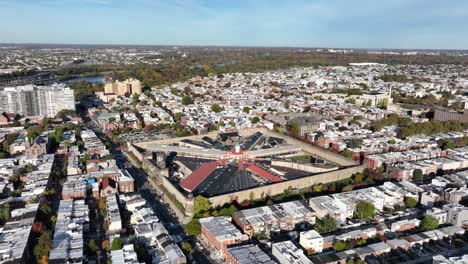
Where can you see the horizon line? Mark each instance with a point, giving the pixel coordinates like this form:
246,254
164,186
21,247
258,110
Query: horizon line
230,46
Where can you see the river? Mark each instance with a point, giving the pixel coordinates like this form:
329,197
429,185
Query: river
95,79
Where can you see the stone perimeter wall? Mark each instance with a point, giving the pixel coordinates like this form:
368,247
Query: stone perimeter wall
258,192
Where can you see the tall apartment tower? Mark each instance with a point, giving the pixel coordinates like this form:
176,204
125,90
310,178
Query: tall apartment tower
36,100
130,86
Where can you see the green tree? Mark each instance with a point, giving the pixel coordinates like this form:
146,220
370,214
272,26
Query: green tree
352,100
294,129
417,175
33,132
361,241
53,219
365,209
116,244
85,158
186,247
45,208
354,143
187,100
447,144
410,202
92,246
43,246
429,223
347,154
339,245
246,109
228,211
202,204
180,132
83,88
317,188
193,228
255,120
269,202
67,143
4,213
8,140
45,122
216,108
177,116
325,225
358,178
29,168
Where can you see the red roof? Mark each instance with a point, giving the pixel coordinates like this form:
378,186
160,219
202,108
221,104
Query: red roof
106,182
241,164
263,173
200,174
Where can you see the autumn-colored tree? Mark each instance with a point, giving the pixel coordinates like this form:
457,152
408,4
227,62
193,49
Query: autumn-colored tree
38,227
106,245
43,260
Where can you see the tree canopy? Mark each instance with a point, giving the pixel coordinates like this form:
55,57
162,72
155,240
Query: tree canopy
410,202
417,175
193,228
325,225
294,129
255,120
216,108
187,100
202,204
43,246
92,246
429,223
339,245
228,211
33,132
4,213
365,209
116,244
354,143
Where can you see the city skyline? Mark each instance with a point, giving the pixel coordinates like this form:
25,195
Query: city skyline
338,24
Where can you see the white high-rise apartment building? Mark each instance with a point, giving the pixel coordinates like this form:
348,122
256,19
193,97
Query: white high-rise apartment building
33,100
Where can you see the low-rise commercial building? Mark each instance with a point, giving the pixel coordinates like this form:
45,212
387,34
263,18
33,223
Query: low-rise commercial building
247,254
274,218
219,233
287,253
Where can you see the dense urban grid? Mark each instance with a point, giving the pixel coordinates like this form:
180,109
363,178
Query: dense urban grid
121,155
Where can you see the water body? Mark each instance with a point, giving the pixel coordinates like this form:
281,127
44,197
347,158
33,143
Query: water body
95,79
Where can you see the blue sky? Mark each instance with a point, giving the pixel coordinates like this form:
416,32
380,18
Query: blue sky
301,23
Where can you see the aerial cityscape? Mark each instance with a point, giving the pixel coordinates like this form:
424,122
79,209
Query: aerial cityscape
160,132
